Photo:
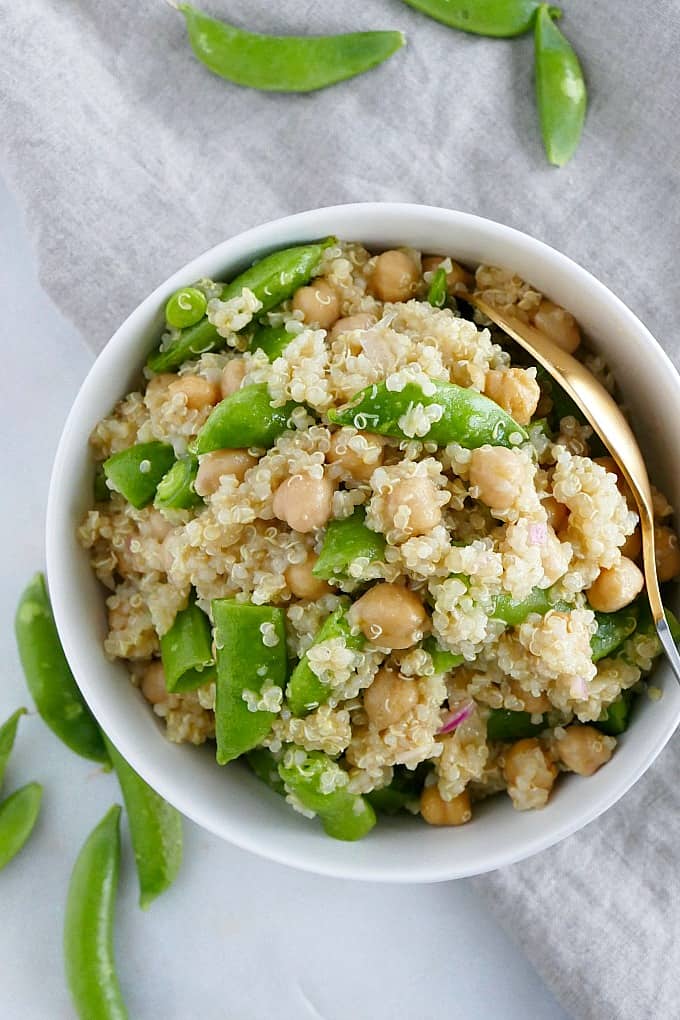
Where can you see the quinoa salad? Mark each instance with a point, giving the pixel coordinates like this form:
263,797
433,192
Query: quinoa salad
353,537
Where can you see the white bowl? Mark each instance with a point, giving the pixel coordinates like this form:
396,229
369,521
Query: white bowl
230,801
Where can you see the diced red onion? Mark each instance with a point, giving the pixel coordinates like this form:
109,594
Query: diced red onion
459,715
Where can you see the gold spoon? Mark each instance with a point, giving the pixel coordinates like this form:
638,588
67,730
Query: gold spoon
604,416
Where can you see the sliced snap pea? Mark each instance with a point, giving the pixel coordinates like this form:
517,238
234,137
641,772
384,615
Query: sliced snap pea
186,650
503,724
100,490
155,831
305,691
49,678
403,792
185,307
272,280
560,89
515,611
436,294
273,340
8,732
346,541
18,815
321,786
137,471
562,404
244,419
266,767
615,719
497,18
612,631
251,656
284,63
467,417
176,488
442,659
88,924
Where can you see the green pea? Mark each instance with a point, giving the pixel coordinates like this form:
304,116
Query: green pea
442,659
466,416
88,924
186,650
503,724
186,307
273,340
498,18
612,631
320,785
560,89
244,419
137,471
18,815
155,831
436,294
176,489
284,63
49,678
305,691
8,732
346,541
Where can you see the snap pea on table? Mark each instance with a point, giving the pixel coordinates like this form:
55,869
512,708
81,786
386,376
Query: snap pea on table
500,18
560,89
18,815
8,732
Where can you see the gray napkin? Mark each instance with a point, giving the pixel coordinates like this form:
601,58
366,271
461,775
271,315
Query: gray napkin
129,158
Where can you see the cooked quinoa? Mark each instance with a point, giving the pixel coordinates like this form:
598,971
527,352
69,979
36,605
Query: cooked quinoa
467,663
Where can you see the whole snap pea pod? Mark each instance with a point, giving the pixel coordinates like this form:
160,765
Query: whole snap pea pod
503,724
560,89
273,340
18,814
88,925
465,416
320,785
49,678
612,631
615,719
8,732
186,650
251,660
498,18
284,63
272,280
305,691
266,767
515,611
344,543
244,419
137,471
155,831
442,659
176,488
436,294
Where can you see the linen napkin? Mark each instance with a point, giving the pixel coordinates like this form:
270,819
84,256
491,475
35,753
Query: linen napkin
128,158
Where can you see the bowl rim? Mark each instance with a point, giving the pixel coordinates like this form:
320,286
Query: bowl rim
57,556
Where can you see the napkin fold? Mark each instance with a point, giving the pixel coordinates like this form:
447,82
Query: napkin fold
128,158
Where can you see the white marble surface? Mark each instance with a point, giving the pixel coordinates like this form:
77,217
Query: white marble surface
237,937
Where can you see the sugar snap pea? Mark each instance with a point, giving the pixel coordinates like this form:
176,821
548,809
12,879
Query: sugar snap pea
615,719
464,415
284,63
503,724
442,659
251,658
137,471
402,793
246,418
18,814
88,924
273,340
515,611
100,490
266,767
612,631
436,294
176,488
305,691
186,650
49,678
346,541
8,732
320,785
498,18
560,89
272,280
155,831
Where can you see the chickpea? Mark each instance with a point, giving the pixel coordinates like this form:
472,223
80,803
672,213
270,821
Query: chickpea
515,391
610,465
303,583
558,325
437,811
529,773
537,704
232,376
616,587
457,278
153,683
558,514
660,505
199,392
157,386
389,698
357,465
418,495
497,473
319,303
214,465
363,320
632,547
667,553
394,277
303,502
583,749
390,615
